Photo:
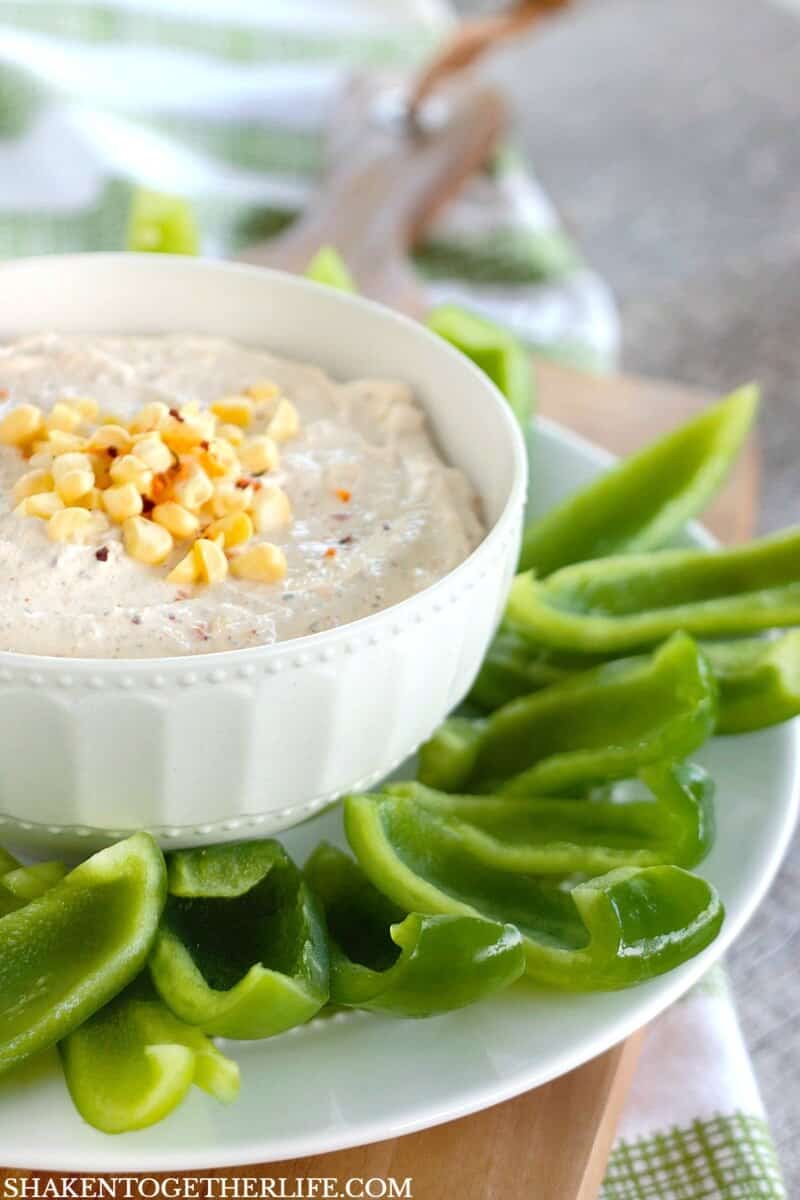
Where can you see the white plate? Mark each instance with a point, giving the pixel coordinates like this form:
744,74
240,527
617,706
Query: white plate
355,1078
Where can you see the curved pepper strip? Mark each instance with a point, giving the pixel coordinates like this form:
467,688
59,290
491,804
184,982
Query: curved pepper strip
514,667
161,224
328,267
603,724
20,885
666,816
648,498
68,952
759,681
609,932
241,951
496,351
133,1062
624,604
407,965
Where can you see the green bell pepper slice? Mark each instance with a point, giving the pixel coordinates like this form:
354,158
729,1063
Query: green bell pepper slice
609,932
602,724
241,950
648,498
328,267
664,816
758,680
160,224
409,965
68,952
497,352
624,604
514,667
20,885
133,1062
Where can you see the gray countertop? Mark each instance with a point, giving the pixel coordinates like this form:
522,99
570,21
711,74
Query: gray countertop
667,134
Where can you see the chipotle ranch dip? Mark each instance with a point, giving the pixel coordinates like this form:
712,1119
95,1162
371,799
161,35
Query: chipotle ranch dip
375,513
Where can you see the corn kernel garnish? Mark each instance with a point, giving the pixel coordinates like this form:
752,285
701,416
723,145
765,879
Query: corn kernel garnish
271,510
212,565
263,563
71,525
236,410
20,426
169,475
180,522
146,541
32,483
285,423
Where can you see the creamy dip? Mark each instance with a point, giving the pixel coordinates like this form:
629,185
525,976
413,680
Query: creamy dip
377,514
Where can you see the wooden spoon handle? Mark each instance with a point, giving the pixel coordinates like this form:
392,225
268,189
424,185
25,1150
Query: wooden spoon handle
384,184
473,38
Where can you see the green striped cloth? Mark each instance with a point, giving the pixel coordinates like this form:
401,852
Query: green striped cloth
224,101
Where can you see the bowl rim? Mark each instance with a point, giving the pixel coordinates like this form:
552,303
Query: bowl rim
489,546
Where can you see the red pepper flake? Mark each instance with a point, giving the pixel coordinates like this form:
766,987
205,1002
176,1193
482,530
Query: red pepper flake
330,552
204,445
102,554
344,495
241,482
173,412
147,505
112,451
345,541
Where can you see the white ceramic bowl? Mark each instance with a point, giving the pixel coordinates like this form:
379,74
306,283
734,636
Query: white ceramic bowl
246,742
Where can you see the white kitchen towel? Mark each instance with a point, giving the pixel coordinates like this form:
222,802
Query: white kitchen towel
224,104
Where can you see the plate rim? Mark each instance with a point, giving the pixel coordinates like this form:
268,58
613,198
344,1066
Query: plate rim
477,1098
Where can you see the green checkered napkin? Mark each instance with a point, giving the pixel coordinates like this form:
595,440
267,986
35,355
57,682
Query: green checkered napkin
224,102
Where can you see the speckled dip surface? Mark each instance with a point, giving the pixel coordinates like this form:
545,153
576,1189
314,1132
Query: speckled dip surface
377,514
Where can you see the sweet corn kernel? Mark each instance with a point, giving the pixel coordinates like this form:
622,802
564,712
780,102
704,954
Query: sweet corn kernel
186,571
152,451
178,520
236,529
63,417
264,390
93,500
259,454
32,483
194,489
110,437
271,510
236,410
263,563
129,468
60,442
212,565
122,501
232,433
151,416
181,435
73,460
145,541
42,505
70,525
73,485
86,406
219,459
21,425
285,423
230,498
